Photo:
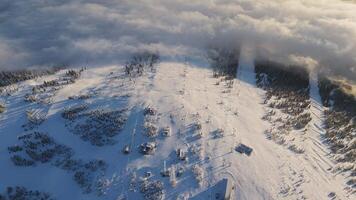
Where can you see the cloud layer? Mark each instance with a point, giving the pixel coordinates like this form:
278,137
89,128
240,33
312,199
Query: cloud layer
320,33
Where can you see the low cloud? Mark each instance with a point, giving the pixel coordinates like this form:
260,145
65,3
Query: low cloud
320,33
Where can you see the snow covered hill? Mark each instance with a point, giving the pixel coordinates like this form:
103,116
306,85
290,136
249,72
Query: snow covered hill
185,120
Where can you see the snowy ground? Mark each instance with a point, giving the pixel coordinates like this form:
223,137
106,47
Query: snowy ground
184,94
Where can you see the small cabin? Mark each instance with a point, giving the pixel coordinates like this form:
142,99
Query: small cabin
148,148
147,174
166,131
224,189
165,172
126,149
181,154
241,148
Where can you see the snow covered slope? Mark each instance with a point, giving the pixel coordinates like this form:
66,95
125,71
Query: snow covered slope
207,119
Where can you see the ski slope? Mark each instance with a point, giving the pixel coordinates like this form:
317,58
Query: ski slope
184,94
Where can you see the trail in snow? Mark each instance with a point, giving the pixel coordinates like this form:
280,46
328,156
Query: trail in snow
273,172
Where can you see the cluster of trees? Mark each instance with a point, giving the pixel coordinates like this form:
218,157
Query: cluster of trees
282,76
290,87
73,112
340,123
152,190
11,77
139,62
98,126
332,94
19,193
287,89
42,93
73,74
38,147
224,62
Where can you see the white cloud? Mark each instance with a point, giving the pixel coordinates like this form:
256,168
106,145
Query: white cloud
37,32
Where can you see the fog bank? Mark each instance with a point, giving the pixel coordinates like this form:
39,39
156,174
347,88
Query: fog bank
320,34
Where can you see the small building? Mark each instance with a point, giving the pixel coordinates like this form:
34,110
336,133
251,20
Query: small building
166,131
126,149
148,174
224,189
241,148
165,172
148,148
181,154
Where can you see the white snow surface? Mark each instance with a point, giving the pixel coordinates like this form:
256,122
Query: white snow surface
183,93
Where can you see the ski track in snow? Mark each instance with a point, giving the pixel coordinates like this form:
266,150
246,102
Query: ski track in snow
183,94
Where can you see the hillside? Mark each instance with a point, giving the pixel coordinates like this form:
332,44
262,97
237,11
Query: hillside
65,135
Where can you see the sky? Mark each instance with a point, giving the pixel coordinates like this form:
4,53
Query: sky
319,34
